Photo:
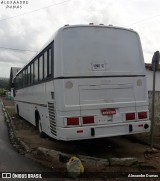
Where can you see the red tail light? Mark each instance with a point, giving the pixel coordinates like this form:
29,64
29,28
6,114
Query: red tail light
130,116
72,121
140,125
142,115
88,120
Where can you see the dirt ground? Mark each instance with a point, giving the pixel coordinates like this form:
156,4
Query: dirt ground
103,148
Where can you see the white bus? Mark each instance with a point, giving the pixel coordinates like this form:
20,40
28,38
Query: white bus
88,82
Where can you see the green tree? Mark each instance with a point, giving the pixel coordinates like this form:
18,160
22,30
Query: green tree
4,83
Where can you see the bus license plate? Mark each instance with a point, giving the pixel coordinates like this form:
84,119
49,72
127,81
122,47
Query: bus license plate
98,67
104,120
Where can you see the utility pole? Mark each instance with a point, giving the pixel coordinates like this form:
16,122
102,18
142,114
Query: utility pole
155,64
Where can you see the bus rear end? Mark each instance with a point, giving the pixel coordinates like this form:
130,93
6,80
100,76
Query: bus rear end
100,83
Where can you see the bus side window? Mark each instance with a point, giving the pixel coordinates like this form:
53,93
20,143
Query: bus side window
49,63
29,75
45,64
20,81
26,77
15,82
36,71
40,68
32,73
23,78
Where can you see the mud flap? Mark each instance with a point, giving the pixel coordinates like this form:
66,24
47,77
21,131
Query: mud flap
92,132
130,128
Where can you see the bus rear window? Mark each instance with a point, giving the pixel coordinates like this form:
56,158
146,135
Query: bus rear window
90,51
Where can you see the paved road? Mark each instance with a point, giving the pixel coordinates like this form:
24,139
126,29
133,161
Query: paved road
10,160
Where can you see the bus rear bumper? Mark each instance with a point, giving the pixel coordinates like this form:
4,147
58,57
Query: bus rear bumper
100,131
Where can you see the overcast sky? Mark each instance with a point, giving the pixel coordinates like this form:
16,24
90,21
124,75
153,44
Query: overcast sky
31,26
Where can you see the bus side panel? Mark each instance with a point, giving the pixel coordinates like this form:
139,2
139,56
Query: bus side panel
36,99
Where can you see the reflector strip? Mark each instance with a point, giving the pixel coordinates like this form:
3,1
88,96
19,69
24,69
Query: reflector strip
140,125
79,131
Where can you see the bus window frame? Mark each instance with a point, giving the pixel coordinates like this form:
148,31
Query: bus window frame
50,47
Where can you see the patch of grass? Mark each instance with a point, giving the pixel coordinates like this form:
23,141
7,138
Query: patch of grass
11,111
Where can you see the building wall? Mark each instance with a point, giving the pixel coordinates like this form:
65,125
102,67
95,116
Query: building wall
156,103
149,74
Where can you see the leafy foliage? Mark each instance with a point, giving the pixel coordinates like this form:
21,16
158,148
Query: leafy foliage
4,84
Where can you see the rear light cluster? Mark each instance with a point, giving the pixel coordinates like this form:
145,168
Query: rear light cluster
140,115
130,116
88,120
72,121
75,121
